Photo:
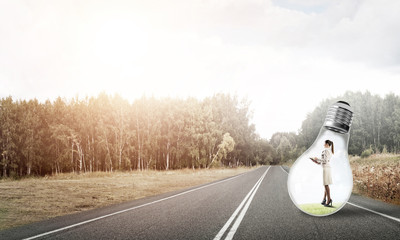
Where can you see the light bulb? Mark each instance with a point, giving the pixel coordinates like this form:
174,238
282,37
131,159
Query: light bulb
305,181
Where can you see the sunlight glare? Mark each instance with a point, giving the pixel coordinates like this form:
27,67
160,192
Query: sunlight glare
120,42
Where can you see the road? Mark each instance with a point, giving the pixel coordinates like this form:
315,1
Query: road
254,205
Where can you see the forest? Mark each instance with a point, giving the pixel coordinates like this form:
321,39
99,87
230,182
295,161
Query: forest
375,127
108,133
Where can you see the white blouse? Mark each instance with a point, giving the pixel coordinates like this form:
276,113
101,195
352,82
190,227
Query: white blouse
325,157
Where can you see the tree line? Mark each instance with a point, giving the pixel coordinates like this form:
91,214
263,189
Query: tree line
375,127
108,133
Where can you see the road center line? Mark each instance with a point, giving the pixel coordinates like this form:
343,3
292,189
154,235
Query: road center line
248,199
367,209
132,208
228,223
243,212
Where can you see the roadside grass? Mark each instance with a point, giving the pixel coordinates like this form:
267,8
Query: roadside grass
377,176
387,159
34,199
319,209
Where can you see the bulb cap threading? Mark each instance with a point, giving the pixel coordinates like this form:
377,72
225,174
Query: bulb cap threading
339,117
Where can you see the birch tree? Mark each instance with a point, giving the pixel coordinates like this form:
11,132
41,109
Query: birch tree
7,134
226,146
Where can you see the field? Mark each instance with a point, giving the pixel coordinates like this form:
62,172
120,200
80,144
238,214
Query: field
34,199
377,176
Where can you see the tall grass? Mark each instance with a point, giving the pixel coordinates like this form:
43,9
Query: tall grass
377,176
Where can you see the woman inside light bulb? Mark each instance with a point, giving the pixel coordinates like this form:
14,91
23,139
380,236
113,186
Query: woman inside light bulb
326,170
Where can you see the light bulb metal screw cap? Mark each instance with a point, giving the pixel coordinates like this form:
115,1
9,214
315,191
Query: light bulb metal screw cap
339,117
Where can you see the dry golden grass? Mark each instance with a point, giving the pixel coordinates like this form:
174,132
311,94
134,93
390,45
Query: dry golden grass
34,199
377,176
376,159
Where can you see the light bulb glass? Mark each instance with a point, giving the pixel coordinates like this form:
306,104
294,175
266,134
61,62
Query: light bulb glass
305,180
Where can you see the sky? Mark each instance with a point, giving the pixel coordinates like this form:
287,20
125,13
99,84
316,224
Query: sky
285,56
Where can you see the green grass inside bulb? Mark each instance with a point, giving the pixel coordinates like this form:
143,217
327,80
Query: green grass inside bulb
319,209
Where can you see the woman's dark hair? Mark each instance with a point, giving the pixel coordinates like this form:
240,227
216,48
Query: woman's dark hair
330,143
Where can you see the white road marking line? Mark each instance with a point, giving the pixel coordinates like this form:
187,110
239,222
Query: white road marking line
227,224
370,210
244,210
284,170
367,209
230,220
132,208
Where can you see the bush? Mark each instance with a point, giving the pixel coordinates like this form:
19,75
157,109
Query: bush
384,150
366,153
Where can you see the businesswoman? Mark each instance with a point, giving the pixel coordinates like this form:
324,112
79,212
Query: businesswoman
326,170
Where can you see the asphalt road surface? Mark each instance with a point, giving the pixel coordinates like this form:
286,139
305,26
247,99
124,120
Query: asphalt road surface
254,205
